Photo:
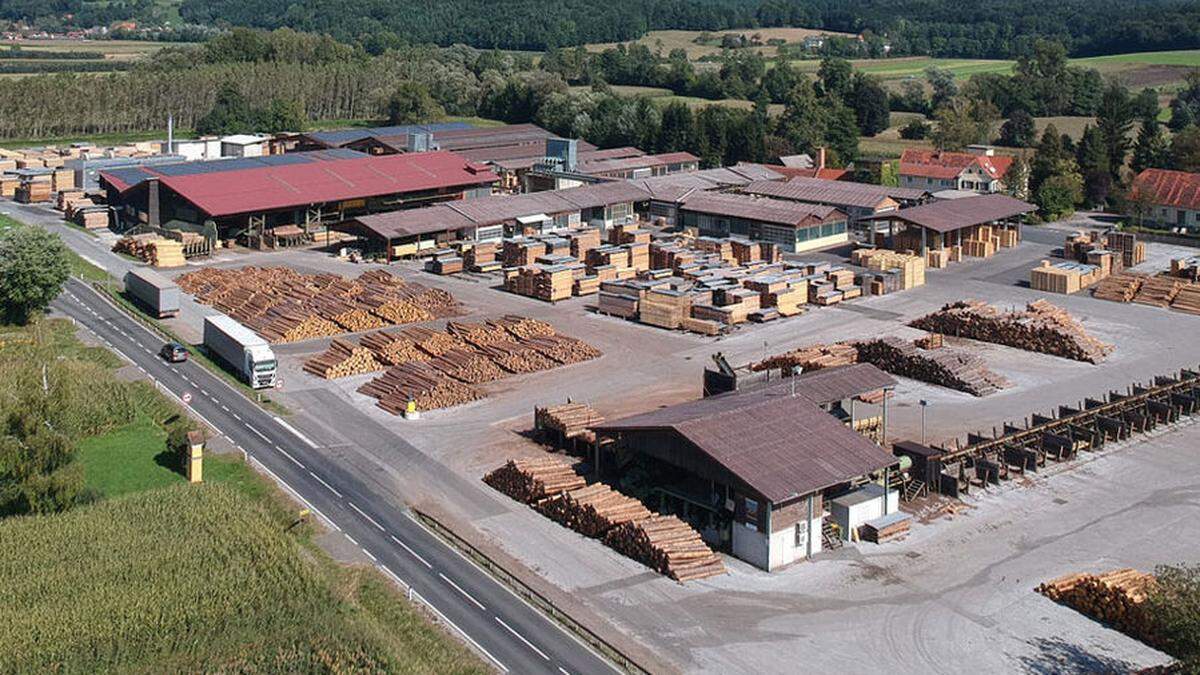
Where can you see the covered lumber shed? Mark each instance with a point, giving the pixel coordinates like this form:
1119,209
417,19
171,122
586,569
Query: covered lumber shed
751,470
946,223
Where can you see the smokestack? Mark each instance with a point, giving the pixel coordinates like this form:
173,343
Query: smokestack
170,134
821,157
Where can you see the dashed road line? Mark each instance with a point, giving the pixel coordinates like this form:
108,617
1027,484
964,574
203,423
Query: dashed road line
369,518
522,639
368,554
327,485
295,431
412,552
256,431
460,590
285,454
350,538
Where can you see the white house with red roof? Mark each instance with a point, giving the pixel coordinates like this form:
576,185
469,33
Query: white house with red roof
979,170
1168,198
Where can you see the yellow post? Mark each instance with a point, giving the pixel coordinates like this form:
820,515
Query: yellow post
195,457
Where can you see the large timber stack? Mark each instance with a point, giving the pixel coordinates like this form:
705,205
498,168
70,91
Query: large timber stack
1116,598
1041,327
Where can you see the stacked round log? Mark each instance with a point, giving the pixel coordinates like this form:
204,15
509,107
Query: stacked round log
564,350
427,387
569,419
1122,287
479,334
667,545
532,480
593,510
517,358
1042,328
284,305
524,327
342,359
811,358
433,342
392,348
944,367
467,365
1116,598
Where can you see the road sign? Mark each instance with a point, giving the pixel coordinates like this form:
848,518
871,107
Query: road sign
187,397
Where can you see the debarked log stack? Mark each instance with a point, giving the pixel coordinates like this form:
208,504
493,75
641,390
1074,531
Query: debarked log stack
533,480
1041,327
667,545
1117,598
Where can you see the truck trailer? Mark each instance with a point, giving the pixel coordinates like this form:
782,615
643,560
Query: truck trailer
153,291
240,348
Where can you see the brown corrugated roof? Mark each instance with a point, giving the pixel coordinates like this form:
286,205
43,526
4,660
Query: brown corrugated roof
830,385
1168,188
832,192
780,445
761,209
409,222
955,214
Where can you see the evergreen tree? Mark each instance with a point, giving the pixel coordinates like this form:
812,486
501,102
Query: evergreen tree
1114,119
803,121
1092,157
1050,152
1185,150
1152,149
1018,130
841,134
870,102
678,128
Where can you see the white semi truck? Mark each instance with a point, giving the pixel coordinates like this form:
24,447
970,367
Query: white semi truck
239,347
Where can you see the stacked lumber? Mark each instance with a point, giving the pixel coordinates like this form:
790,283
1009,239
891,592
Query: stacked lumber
1158,291
1188,299
815,357
416,381
1115,598
668,545
910,267
949,368
1041,327
342,359
544,282
1122,287
665,308
593,510
164,252
1186,268
569,419
531,480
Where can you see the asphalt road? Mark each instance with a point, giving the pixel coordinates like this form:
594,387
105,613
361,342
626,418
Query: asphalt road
506,630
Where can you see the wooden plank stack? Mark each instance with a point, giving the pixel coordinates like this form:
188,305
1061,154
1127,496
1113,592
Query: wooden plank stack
593,510
342,359
667,545
532,480
570,420
1042,327
945,367
1116,598
544,282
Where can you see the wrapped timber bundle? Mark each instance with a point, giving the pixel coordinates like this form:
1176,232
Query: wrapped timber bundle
945,367
667,545
564,350
342,359
1042,328
467,365
569,419
517,358
593,510
428,387
532,480
392,349
1115,598
1188,299
1122,287
815,357
1158,291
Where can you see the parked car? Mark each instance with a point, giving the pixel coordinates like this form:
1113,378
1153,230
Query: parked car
174,352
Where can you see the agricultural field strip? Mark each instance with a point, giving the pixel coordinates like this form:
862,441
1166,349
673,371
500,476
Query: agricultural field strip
83,309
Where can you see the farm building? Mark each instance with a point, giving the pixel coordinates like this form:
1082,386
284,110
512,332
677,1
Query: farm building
856,200
755,471
490,218
978,171
1166,198
260,199
794,226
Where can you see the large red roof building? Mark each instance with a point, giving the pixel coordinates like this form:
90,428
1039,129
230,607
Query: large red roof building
1167,198
934,170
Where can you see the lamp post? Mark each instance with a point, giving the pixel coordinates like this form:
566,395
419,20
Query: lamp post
924,404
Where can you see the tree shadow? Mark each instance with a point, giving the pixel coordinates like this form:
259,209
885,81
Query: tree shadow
171,461
1058,657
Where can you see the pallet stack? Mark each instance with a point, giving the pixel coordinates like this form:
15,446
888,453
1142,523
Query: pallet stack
1042,327
530,481
1132,251
342,359
1116,598
593,510
667,545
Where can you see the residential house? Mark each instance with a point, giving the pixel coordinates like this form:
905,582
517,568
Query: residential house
1169,199
979,170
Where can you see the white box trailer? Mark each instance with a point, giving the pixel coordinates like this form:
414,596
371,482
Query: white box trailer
155,292
239,347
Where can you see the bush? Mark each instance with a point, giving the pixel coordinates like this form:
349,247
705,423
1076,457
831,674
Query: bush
916,130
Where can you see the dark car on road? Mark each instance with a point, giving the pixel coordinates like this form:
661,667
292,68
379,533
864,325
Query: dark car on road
173,352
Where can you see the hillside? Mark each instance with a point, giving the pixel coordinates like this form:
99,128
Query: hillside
195,578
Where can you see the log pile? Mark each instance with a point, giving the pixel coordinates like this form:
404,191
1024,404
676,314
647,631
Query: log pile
1158,291
524,327
1116,598
342,359
284,305
1121,287
593,510
810,358
392,349
517,358
668,545
467,365
532,480
1188,299
416,381
564,350
1041,327
569,419
944,367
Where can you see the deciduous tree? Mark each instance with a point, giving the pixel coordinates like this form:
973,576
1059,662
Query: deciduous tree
33,269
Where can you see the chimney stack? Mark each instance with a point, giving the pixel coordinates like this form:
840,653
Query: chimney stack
820,158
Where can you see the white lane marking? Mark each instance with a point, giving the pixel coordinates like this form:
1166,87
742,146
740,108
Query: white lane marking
522,639
224,407
256,432
285,454
412,552
350,538
203,393
373,558
295,494
369,518
295,431
563,670
236,417
460,590
448,622
327,485
93,262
